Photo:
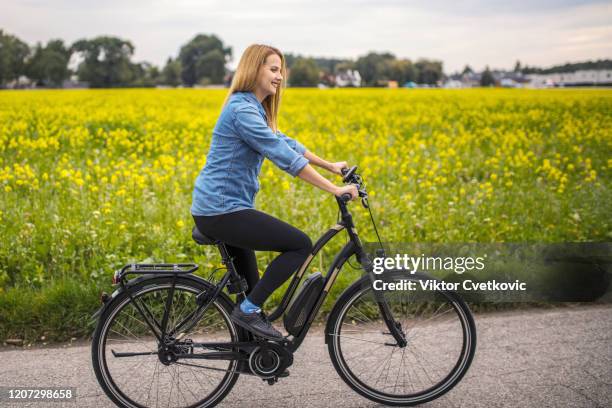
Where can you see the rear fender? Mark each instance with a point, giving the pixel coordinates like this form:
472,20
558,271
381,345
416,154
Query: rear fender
142,280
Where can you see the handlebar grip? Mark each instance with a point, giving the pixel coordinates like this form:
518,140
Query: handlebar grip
346,197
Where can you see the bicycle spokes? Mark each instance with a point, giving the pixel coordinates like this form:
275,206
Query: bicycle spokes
378,366
150,372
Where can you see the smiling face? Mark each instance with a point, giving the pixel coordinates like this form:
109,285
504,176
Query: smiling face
269,77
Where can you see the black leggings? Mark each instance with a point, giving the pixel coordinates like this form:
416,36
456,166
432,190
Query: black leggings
243,232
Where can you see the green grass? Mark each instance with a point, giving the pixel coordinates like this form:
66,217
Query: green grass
92,180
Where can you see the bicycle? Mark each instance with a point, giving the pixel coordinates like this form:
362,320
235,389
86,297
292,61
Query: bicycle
172,329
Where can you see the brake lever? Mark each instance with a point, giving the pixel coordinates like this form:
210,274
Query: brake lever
347,174
364,198
364,202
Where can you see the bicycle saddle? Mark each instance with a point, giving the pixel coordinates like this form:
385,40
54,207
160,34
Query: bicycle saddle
202,239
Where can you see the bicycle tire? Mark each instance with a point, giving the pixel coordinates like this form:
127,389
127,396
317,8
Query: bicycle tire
122,301
333,338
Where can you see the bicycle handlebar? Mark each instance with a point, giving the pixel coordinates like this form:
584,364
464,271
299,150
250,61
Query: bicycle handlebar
348,173
350,176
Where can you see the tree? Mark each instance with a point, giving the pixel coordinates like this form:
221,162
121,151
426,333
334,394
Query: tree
289,59
429,71
304,72
599,64
106,61
13,54
211,67
401,71
49,64
517,66
487,78
374,67
171,73
328,65
145,74
344,66
203,59
467,70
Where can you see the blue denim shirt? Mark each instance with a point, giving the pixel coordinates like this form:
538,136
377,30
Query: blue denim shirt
240,141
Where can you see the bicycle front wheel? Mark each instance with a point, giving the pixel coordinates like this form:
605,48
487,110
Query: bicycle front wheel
440,334
126,353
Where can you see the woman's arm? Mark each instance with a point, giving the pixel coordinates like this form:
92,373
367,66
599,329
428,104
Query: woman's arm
324,164
312,158
309,174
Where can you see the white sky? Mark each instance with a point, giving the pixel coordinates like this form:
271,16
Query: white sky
475,32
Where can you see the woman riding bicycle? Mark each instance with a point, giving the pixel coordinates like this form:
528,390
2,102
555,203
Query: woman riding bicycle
225,189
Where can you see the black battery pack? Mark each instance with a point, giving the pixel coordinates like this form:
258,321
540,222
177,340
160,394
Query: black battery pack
303,303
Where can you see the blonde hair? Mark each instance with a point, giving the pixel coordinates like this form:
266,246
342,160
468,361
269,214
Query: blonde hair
245,78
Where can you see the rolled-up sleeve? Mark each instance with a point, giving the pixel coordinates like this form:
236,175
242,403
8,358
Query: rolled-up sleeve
294,144
255,132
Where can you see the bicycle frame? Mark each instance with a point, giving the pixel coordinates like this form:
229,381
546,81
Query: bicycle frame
353,247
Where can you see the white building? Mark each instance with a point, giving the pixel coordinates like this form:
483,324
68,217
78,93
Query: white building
348,78
578,78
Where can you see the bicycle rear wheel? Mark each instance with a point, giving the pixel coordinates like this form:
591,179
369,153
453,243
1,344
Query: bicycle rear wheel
148,378
440,334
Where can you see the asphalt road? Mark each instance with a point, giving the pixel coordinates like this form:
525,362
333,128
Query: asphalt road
537,358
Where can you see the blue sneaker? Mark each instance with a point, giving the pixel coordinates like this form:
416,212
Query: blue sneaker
256,323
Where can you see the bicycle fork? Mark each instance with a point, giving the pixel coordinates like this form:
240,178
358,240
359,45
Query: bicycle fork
395,327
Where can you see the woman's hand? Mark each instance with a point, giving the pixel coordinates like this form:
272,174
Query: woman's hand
351,189
337,167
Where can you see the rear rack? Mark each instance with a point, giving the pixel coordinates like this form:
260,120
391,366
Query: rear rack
145,269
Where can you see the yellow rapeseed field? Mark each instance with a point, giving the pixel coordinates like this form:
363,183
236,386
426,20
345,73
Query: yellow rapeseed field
93,179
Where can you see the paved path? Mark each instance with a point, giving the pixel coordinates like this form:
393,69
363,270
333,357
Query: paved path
542,358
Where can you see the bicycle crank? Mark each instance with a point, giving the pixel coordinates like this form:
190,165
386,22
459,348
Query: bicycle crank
269,361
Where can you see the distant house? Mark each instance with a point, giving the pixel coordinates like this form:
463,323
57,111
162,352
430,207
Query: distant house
22,82
74,83
507,79
509,83
510,79
348,78
453,83
583,77
465,80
